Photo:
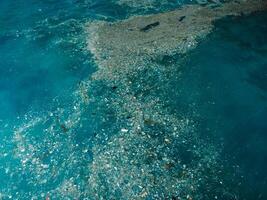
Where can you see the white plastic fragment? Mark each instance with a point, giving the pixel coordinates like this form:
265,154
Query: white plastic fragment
124,130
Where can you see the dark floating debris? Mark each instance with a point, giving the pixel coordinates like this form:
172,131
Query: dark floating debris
64,128
149,122
181,18
149,26
114,87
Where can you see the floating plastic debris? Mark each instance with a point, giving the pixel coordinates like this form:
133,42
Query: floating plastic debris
161,156
158,154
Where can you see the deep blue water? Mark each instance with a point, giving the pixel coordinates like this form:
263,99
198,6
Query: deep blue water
42,62
226,79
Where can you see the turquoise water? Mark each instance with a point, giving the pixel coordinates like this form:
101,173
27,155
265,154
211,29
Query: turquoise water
47,132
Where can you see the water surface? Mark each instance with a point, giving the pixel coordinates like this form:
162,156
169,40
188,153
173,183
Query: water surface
222,85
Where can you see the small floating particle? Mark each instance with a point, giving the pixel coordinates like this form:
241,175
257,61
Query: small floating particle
124,130
188,197
144,194
166,140
85,150
44,166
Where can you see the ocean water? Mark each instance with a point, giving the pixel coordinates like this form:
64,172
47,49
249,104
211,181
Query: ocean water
48,129
225,79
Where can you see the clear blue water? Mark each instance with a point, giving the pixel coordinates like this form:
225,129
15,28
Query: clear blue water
43,61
